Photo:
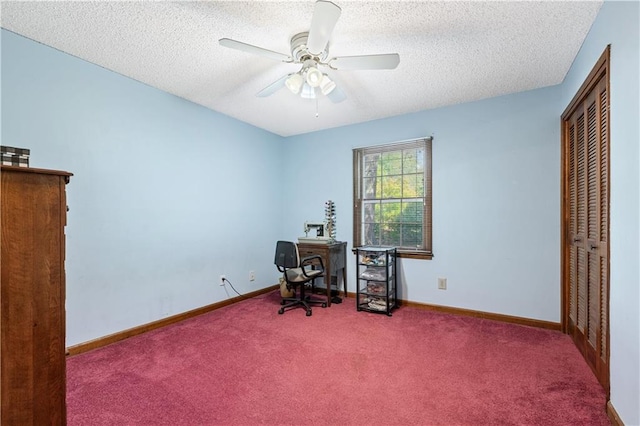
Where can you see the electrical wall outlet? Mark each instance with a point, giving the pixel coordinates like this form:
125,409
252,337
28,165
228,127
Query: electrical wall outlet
442,283
222,278
252,276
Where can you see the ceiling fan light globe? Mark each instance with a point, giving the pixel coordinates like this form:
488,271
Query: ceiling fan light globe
314,77
327,85
308,92
294,83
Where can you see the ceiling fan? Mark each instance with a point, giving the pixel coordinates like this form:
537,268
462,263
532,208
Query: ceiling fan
311,49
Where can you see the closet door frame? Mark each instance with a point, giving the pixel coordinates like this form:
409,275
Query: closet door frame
600,69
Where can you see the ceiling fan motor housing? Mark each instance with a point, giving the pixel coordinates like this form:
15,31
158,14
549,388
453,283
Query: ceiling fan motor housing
300,53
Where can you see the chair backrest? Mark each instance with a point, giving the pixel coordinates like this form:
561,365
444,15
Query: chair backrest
287,255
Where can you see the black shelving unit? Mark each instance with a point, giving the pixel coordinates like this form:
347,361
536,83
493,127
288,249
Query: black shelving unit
376,289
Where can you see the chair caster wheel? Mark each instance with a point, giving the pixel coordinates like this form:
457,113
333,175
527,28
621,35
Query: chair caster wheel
282,302
308,313
324,305
281,311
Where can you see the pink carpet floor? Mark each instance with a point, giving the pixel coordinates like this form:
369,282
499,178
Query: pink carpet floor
245,364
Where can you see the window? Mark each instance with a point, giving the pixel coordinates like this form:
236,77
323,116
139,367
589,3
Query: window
392,197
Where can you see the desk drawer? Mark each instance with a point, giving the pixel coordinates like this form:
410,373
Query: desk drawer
304,252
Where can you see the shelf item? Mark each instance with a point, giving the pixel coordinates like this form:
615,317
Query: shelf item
376,274
376,284
11,156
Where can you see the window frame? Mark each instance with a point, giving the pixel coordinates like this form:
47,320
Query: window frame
426,251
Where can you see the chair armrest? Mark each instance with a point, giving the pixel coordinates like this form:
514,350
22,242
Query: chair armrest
309,261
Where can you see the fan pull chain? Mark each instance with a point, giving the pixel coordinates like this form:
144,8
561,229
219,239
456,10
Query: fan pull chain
317,107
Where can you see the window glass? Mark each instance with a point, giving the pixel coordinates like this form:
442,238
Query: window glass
392,192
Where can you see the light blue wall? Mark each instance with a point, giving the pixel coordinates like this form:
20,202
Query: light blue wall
618,24
496,200
166,195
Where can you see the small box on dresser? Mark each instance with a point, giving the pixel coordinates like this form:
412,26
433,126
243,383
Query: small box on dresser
11,156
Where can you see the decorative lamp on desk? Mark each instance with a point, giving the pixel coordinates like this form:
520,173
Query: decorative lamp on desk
330,219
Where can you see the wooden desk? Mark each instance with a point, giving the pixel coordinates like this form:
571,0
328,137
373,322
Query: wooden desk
334,257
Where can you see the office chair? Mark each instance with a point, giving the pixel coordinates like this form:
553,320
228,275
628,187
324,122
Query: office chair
298,273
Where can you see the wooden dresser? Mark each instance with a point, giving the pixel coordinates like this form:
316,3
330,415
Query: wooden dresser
32,296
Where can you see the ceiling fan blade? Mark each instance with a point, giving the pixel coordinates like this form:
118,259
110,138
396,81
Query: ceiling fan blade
249,48
325,16
387,61
337,95
273,87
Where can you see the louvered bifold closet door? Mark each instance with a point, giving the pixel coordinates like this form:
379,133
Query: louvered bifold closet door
587,202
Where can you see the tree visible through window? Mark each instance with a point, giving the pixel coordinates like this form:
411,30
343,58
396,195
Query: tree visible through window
392,195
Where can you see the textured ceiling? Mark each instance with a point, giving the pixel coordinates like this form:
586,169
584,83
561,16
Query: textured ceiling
450,52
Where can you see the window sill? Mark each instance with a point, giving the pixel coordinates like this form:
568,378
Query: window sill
415,255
